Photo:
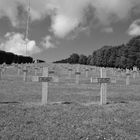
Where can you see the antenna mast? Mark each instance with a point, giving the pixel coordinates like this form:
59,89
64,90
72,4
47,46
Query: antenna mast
27,26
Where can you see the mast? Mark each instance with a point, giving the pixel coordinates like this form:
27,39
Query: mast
27,26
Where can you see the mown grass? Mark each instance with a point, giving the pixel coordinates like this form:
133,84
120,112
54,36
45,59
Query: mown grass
73,111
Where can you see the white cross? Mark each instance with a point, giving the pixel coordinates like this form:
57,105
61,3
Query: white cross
45,79
103,81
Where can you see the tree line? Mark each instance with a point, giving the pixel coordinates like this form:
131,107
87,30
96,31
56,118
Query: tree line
9,58
122,56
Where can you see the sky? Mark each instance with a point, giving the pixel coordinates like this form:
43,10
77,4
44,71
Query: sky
59,28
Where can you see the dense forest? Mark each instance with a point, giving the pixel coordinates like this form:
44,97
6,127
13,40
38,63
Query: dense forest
122,56
9,58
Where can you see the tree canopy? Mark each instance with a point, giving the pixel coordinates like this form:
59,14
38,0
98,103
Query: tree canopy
122,56
9,58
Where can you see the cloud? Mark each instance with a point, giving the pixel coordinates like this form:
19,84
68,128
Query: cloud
108,11
134,28
62,25
15,43
71,14
107,30
48,42
67,15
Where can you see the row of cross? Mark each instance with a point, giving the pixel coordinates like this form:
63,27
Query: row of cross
45,79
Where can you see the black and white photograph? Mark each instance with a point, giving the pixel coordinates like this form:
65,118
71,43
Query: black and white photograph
69,69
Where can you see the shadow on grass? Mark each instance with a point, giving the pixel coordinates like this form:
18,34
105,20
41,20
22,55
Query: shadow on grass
8,102
116,102
66,102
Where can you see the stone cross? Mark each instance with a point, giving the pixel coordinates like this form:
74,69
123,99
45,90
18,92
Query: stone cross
103,81
45,80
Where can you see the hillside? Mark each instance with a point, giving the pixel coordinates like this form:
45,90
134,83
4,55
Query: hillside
9,58
122,56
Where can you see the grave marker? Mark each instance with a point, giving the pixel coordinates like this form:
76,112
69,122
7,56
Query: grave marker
87,72
77,73
134,72
51,72
118,74
35,70
70,73
45,83
45,79
3,69
25,71
103,82
127,77
19,69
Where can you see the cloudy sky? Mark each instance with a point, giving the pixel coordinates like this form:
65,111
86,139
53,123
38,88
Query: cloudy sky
58,28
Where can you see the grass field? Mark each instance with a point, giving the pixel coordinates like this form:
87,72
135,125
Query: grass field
73,111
